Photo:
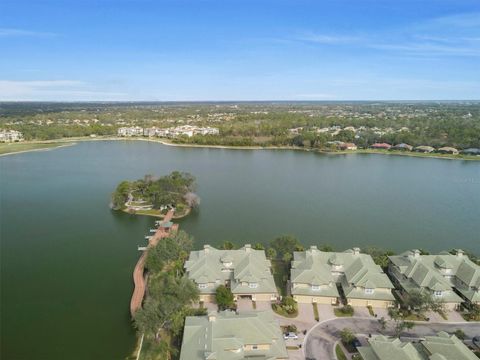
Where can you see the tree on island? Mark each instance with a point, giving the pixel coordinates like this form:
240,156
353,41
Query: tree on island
176,189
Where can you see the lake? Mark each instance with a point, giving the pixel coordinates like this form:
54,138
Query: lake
67,259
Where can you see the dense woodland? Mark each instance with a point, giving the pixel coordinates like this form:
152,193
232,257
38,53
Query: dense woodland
436,124
176,190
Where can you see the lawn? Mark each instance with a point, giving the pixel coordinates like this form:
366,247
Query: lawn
16,147
339,352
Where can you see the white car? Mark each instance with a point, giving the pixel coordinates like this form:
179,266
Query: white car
290,335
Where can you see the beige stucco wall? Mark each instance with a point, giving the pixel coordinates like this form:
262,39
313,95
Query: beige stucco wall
305,299
372,303
207,298
249,347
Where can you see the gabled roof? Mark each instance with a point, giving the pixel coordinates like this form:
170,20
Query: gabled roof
440,347
244,265
353,269
223,336
430,271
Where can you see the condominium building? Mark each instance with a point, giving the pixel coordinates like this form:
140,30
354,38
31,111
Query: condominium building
246,271
440,347
316,277
449,278
231,336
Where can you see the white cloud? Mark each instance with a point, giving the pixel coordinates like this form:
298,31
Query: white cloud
7,32
11,90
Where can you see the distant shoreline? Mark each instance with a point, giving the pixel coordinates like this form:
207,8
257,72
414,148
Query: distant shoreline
73,141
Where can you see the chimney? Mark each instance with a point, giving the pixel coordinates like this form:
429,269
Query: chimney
460,253
248,247
356,251
206,248
416,253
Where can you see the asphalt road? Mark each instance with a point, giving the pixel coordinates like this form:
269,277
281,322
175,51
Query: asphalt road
320,341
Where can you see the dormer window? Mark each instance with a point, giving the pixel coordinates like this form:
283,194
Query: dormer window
202,286
438,293
315,287
253,285
368,291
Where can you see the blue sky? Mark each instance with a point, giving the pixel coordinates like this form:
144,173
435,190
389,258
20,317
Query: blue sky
239,50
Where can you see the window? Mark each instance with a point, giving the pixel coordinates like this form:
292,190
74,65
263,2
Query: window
253,285
316,287
437,293
202,286
368,291
254,347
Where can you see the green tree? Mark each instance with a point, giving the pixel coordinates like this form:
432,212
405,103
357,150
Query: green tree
347,336
271,253
228,245
285,244
259,246
224,297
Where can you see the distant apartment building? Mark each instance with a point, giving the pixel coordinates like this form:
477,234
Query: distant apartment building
315,276
10,136
450,279
230,336
440,347
246,271
130,131
172,132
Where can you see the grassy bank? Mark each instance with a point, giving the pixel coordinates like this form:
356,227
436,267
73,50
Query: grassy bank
15,148
63,141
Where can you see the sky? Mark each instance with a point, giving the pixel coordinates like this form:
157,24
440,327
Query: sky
227,50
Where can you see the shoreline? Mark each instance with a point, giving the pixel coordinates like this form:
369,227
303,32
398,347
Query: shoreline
73,141
67,143
158,216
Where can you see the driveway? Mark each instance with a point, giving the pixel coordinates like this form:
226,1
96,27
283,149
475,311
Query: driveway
320,340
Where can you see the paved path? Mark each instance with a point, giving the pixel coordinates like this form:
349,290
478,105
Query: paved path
320,340
138,272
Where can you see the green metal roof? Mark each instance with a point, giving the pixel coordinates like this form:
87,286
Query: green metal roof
224,335
241,267
439,272
440,347
355,271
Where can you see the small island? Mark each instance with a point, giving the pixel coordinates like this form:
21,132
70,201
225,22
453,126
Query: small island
153,196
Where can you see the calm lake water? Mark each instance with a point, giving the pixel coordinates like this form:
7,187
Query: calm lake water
66,259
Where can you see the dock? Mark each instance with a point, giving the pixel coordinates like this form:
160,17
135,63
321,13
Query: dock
164,229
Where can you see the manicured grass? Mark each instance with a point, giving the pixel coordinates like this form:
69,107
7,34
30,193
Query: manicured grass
415,317
8,148
315,312
153,212
345,311
339,352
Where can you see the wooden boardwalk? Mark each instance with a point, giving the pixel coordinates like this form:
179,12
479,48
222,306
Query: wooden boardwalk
138,273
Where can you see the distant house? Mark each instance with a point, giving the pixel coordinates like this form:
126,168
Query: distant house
424,149
230,336
402,147
383,146
10,136
246,271
443,276
440,347
447,150
315,276
471,151
347,146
